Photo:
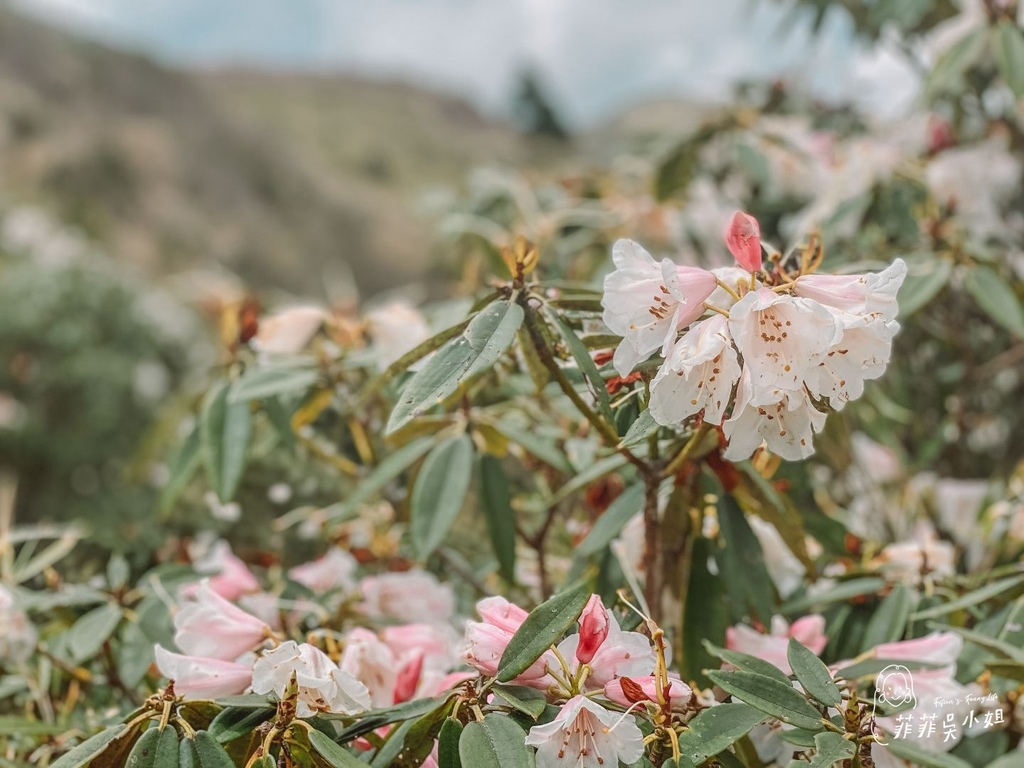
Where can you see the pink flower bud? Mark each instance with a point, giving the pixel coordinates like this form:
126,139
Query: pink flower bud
677,693
408,678
593,629
744,240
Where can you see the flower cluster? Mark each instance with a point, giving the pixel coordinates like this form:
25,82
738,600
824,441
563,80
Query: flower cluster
756,350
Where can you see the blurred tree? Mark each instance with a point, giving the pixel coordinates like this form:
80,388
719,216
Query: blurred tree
532,110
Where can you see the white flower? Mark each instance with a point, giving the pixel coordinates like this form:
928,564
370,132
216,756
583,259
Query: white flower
868,294
211,627
197,677
323,687
18,635
782,338
289,331
368,659
699,373
586,735
647,303
785,420
408,596
396,328
335,570
860,355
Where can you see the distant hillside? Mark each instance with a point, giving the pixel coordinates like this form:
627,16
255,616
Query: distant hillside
151,163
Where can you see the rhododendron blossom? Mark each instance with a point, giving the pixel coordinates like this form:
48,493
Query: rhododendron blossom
586,735
212,627
203,678
809,631
762,353
322,685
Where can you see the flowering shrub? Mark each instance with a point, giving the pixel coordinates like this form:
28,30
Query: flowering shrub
735,505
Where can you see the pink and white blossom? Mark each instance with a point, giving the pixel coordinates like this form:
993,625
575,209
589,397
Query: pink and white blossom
209,626
196,677
699,374
415,596
647,303
586,735
679,693
322,685
773,648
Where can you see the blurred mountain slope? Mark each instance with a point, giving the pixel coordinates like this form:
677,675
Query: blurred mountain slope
150,163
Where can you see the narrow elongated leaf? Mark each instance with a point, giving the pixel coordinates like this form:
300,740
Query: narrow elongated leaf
234,722
890,620
844,590
543,627
716,729
90,748
260,383
91,631
976,597
332,753
580,353
498,515
742,565
224,438
448,745
904,749
1011,652
996,297
529,701
776,698
210,754
626,505
537,447
812,674
947,76
458,362
440,492
747,662
1009,53
640,430
496,742
184,466
926,277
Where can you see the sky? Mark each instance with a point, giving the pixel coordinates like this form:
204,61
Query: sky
595,56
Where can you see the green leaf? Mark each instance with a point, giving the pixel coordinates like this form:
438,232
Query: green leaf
542,628
224,437
842,591
336,756
747,663
390,468
947,76
448,745
529,701
1011,652
1012,670
742,565
458,362
261,383
90,748
91,631
902,748
537,447
580,353
812,674
890,619
640,430
772,696
926,277
208,753
234,722
498,515
830,748
971,598
377,718
496,742
166,749
716,729
184,466
1009,53
439,493
143,754
996,297
626,505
